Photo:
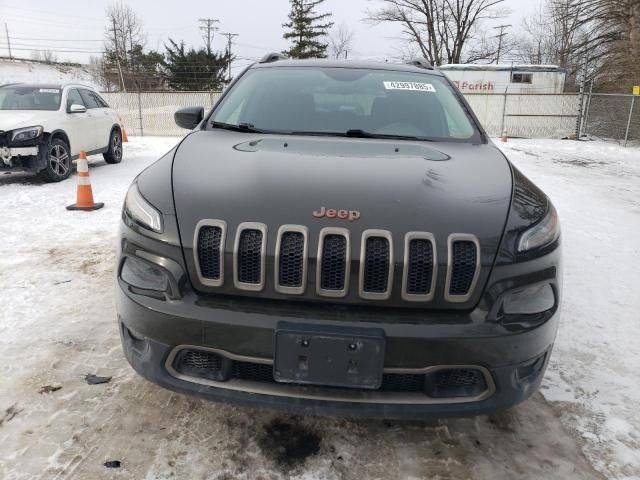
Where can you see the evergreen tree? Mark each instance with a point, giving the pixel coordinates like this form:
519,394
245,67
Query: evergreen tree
306,30
195,70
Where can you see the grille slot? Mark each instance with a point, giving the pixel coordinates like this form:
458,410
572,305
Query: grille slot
208,251
420,267
249,255
333,261
209,243
291,259
463,268
376,264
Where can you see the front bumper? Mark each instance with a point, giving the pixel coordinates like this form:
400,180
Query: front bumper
20,158
153,330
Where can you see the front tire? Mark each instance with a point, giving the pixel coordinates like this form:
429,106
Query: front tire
114,154
57,162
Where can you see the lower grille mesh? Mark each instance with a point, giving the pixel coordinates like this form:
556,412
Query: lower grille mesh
209,243
420,267
376,265
250,256
333,264
453,382
464,258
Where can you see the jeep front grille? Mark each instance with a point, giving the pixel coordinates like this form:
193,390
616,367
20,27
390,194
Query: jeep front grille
333,264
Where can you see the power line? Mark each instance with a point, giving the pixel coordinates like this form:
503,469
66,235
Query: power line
499,37
208,27
6,31
229,39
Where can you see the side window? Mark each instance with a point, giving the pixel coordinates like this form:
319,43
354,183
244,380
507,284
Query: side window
89,100
100,100
74,98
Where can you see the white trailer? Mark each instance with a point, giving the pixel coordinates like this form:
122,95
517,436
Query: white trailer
506,78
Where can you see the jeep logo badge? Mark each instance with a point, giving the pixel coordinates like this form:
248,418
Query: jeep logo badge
325,212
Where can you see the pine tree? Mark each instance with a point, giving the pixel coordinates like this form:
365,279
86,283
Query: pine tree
194,70
306,30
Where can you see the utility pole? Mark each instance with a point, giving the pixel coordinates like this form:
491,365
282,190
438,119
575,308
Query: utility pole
499,37
229,38
208,26
115,43
6,31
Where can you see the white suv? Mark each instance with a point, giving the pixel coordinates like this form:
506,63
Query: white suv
44,127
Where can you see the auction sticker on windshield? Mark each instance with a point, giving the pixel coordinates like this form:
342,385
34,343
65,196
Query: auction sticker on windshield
415,86
49,90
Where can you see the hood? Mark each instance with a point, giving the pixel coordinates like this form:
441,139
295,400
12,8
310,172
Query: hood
400,186
12,119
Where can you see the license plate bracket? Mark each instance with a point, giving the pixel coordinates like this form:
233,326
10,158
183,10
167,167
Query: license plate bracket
329,356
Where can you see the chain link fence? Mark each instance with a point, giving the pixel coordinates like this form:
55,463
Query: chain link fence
521,115
533,115
151,113
611,116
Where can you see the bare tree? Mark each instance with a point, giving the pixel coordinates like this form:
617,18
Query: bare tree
340,41
442,29
589,38
124,32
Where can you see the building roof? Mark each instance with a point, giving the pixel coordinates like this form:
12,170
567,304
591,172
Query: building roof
502,67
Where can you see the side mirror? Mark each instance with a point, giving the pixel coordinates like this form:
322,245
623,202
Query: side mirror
75,108
189,117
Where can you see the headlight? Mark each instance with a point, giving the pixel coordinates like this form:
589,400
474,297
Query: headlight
542,233
141,274
142,211
25,134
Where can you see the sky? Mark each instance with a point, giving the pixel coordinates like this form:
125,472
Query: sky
75,30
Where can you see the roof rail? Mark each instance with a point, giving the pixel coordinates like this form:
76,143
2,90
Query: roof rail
273,57
420,63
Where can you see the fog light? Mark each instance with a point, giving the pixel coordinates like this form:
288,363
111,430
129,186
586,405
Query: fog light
529,300
144,275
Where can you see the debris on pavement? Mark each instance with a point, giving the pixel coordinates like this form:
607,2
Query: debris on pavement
112,464
9,414
49,388
92,379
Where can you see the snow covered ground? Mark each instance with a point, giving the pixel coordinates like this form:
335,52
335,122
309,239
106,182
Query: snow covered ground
17,71
57,323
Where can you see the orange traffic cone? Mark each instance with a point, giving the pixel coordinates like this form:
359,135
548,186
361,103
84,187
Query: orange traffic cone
125,139
84,198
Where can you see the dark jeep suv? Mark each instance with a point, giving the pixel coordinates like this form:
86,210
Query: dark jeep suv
339,238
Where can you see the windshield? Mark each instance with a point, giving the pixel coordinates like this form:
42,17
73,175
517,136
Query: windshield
347,101
30,98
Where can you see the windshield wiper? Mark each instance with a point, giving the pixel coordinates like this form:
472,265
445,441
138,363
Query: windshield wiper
363,134
241,127
357,133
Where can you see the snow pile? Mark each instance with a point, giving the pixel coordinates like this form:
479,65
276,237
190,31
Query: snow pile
32,72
